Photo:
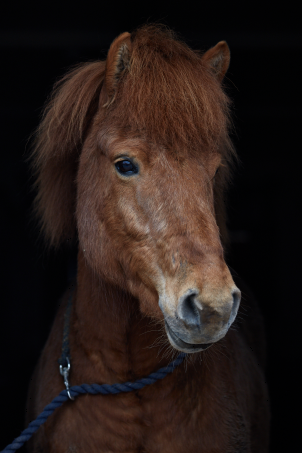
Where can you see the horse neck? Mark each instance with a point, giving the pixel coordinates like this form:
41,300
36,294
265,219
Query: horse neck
112,332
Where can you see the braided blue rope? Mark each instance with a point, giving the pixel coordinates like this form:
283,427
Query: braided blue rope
93,389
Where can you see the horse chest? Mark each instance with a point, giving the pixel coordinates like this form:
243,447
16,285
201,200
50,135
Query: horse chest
136,423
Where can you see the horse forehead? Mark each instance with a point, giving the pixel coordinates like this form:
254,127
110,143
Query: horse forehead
124,143
133,144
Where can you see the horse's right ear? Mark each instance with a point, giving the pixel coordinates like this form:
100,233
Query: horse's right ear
118,60
60,136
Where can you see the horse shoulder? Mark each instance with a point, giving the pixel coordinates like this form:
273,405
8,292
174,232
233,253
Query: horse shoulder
46,382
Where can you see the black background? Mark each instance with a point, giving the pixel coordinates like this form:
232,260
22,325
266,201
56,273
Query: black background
38,42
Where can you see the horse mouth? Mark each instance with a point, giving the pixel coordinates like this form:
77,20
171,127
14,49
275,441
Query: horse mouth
181,345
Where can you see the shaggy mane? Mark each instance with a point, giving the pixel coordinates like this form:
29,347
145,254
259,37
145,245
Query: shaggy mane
59,139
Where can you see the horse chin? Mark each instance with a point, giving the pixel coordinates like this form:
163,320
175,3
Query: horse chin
181,345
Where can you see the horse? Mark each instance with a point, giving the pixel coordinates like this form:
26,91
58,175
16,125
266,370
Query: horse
133,158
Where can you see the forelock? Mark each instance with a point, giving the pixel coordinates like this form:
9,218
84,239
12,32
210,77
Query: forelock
171,96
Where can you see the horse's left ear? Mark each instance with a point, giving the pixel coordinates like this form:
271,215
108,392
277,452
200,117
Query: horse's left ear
118,60
218,59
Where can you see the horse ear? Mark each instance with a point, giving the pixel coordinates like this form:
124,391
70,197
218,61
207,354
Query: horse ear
218,58
118,60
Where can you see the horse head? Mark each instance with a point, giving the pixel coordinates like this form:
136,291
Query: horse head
133,157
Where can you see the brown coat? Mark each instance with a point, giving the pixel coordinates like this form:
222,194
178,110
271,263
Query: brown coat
152,278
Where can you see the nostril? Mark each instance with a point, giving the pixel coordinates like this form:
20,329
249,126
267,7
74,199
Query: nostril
187,309
236,301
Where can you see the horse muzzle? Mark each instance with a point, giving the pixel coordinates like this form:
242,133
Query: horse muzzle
183,346
197,322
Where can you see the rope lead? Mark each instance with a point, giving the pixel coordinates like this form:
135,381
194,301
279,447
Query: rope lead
93,389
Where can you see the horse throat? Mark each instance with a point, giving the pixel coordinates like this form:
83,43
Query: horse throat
117,343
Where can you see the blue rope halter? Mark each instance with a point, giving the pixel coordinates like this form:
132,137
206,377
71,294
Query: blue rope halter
76,390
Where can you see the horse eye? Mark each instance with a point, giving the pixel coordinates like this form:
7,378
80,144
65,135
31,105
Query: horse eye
126,167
